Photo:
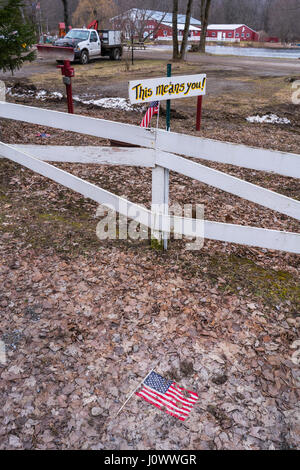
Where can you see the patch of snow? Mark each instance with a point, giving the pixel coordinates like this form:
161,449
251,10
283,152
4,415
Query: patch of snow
109,103
56,94
268,119
38,95
41,95
10,91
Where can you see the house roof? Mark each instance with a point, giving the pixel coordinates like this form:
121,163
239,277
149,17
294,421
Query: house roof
181,26
227,27
157,16
224,26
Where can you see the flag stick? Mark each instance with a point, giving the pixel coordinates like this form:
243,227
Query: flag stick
134,392
168,113
157,119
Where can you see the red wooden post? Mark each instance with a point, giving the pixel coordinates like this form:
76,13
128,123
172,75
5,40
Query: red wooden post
70,98
68,72
199,113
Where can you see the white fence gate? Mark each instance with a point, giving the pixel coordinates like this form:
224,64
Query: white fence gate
160,150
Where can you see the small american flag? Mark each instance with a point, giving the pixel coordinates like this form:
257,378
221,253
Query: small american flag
168,396
151,111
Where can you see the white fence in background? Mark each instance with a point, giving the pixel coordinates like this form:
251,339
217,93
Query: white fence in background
216,39
160,151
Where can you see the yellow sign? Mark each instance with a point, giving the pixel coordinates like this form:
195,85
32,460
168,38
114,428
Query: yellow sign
166,88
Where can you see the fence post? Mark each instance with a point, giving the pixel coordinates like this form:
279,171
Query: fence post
160,188
166,172
2,91
2,98
160,200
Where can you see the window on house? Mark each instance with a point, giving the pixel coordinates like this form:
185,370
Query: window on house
230,35
237,35
243,35
248,35
213,34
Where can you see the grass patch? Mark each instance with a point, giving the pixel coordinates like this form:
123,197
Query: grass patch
274,287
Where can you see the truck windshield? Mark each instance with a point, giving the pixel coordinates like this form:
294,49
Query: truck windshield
78,34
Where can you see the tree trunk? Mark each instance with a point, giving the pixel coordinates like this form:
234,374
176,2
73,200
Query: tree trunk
66,15
204,9
175,30
186,29
154,31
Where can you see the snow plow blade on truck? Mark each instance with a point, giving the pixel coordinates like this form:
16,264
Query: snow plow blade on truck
48,52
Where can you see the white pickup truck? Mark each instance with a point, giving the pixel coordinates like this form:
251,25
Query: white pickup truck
83,45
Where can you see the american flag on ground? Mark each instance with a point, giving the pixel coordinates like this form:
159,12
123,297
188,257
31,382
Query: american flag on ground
151,111
168,396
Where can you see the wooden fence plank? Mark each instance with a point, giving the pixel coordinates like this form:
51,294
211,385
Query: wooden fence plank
258,159
73,182
287,164
230,184
252,236
76,123
89,154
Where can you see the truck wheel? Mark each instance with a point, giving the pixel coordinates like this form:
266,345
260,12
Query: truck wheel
84,57
116,54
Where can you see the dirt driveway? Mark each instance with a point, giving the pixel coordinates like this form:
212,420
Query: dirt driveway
252,66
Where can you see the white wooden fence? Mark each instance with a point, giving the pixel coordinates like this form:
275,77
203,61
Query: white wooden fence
160,150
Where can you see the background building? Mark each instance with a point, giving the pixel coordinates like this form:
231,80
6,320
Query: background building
152,24
231,33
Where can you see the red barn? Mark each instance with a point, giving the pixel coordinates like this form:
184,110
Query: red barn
158,25
165,32
153,24
215,32
231,33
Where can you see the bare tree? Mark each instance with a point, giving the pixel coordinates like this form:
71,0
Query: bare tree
175,30
66,14
204,15
89,10
186,28
156,28
284,20
135,23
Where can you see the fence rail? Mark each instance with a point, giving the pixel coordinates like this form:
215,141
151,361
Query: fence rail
160,150
90,154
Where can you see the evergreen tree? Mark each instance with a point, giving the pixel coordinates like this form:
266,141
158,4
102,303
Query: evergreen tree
17,35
